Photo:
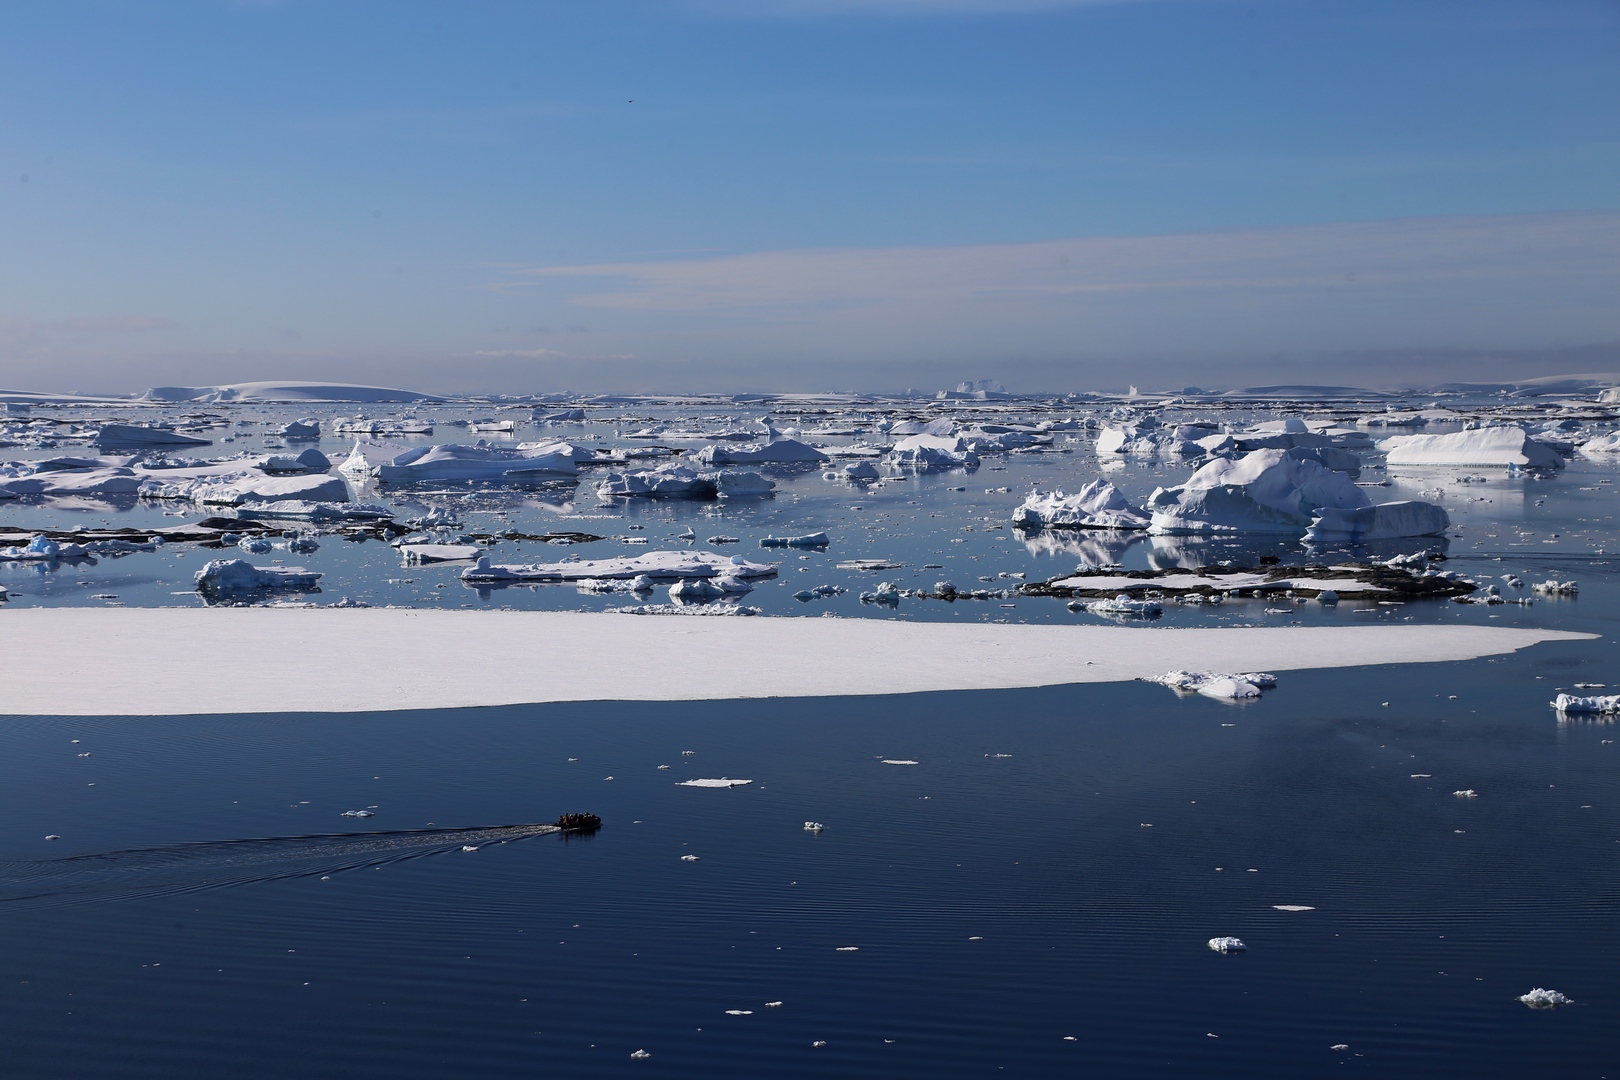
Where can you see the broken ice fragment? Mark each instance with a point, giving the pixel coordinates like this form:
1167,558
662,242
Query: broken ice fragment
722,782
1226,944
1544,999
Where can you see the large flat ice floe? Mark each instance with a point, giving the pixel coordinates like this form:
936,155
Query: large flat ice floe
179,661
1501,446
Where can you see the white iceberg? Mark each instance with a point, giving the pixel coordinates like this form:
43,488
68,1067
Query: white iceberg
1098,505
1265,491
922,453
701,589
137,435
1227,944
1385,521
1148,437
1243,686
1122,605
72,482
310,461
809,540
775,452
657,565
426,553
306,428
240,576
1545,999
722,782
682,482
1602,445
234,489
1500,446
1599,705
458,461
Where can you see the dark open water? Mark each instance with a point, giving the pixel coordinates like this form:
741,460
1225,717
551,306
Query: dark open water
1085,863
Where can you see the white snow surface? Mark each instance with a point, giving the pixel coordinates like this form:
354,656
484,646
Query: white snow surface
1098,505
99,662
1499,446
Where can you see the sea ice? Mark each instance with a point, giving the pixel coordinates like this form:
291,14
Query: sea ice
1098,505
1602,704
1245,685
1554,587
1148,437
923,453
101,481
1227,944
1501,445
708,588
1265,491
722,782
657,565
809,540
306,428
775,452
682,482
1123,605
140,435
459,461
424,553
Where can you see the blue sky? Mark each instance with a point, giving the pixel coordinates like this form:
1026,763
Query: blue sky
811,194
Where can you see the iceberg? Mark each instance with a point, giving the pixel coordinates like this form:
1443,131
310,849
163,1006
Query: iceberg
1265,491
137,435
230,489
307,428
458,461
810,540
926,452
1098,505
682,482
657,565
775,452
426,553
310,461
1504,446
1602,445
1545,999
1599,705
72,482
1227,944
1148,437
1240,687
701,589
722,782
1384,521
1121,605
234,576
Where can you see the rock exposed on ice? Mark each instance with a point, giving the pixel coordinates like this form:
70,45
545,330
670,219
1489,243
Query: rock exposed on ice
657,565
1544,999
459,461
775,452
1601,704
1385,521
682,482
1499,446
139,435
1098,505
1242,686
1265,491
722,782
1227,944
809,540
1148,437
306,428
115,481
228,576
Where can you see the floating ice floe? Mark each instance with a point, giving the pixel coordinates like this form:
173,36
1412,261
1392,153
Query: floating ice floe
709,588
211,485
426,553
1293,907
819,592
1466,793
1602,704
856,471
310,461
1098,505
225,576
690,609
1121,605
1602,446
1227,944
305,510
1545,999
682,482
1242,686
1503,446
1554,587
306,428
657,565
101,481
1265,491
141,435
809,540
1385,521
722,782
813,826
638,1055
899,761
775,452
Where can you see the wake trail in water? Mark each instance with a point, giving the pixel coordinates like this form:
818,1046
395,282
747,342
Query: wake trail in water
134,873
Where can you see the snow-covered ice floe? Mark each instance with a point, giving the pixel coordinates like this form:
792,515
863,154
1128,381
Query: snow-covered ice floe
460,461
775,452
352,661
140,435
1227,944
722,782
1121,605
656,565
1500,446
809,540
701,589
1098,505
114,481
236,487
1240,687
234,576
426,553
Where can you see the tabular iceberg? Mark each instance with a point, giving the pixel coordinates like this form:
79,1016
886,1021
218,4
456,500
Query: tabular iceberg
1485,447
657,565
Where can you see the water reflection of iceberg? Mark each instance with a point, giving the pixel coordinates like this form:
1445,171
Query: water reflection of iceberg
1093,547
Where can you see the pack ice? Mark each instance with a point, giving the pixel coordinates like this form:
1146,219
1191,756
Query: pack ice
656,565
1098,505
1499,446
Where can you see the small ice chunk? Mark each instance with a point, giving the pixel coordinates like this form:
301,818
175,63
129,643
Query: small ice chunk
639,1055
739,1012
1466,793
469,847
689,858
898,761
813,826
53,836
1544,999
773,1004
358,813
1226,944
848,948
1237,687
722,782
1605,703
1293,907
